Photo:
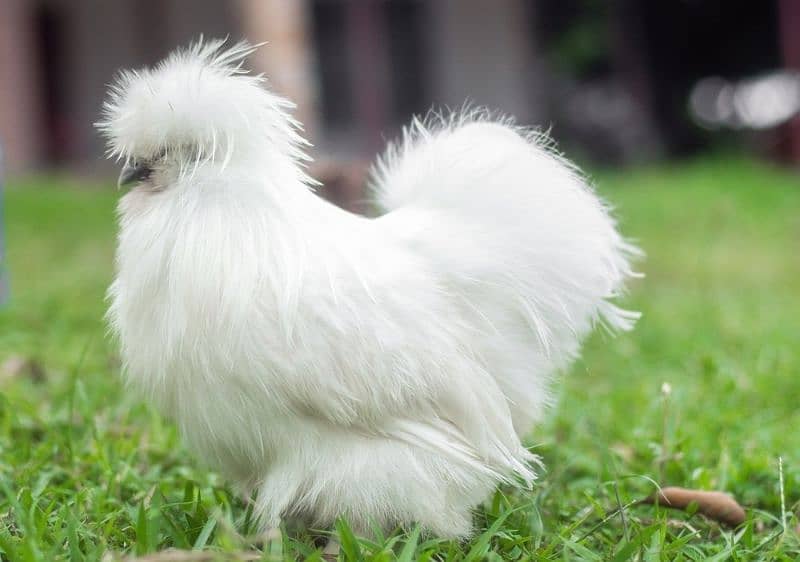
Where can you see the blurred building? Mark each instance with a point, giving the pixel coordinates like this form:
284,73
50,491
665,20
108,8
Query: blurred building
611,78
57,57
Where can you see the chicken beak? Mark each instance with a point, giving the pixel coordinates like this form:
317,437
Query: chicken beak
133,173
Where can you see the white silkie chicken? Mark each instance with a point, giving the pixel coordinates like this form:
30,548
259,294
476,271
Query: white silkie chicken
381,369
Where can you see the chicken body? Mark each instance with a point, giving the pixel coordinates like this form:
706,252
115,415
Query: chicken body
381,369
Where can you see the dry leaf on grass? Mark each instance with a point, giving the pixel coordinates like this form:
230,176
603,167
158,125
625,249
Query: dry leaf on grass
16,366
718,506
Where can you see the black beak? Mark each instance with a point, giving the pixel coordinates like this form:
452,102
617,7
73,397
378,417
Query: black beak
133,173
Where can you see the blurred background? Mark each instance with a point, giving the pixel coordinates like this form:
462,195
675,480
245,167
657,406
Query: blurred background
617,82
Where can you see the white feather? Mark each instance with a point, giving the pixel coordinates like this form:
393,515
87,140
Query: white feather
382,369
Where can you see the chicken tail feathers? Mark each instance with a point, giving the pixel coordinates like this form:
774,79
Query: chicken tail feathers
516,236
514,224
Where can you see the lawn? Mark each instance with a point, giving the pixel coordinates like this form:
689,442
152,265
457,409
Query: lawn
705,394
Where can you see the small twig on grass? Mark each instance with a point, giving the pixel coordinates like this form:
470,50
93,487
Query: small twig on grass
783,495
621,512
176,555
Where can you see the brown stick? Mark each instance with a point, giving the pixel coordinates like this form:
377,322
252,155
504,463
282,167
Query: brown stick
714,505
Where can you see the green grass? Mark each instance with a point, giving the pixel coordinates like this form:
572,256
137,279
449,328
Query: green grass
86,469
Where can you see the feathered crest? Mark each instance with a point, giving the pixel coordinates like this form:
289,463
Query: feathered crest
200,99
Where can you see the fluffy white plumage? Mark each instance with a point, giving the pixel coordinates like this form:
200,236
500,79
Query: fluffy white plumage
381,369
